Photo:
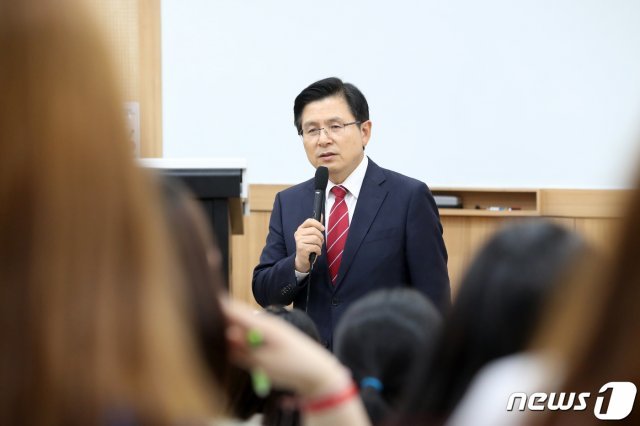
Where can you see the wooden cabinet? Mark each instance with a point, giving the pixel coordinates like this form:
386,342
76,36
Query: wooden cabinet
492,202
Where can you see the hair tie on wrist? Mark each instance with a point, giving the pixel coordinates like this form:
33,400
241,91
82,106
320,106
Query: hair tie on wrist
371,382
331,401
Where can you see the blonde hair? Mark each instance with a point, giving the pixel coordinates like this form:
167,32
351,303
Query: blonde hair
90,316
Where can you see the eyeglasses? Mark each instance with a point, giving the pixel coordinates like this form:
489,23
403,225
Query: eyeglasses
334,130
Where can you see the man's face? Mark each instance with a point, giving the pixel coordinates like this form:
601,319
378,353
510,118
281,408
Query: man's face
341,153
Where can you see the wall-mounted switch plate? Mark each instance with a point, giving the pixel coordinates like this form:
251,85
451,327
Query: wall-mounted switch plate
132,121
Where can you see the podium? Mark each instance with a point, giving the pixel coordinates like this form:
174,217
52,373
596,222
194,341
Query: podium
218,184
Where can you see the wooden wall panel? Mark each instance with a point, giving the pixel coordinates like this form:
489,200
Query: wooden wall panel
132,31
456,239
150,75
119,22
262,197
245,254
602,233
463,236
583,203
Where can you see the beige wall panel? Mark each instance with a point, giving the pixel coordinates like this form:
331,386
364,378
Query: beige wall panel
602,233
262,196
132,32
479,230
119,22
150,74
583,202
465,236
245,252
456,240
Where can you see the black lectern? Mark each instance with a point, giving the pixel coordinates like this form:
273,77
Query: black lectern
217,183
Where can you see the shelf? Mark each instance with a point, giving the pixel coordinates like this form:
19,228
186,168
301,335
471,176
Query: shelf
477,202
474,212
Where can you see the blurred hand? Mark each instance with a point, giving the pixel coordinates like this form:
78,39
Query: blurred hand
289,358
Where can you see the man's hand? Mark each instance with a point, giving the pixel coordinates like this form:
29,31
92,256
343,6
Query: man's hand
309,239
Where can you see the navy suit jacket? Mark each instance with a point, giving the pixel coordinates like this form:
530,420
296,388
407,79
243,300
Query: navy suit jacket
395,239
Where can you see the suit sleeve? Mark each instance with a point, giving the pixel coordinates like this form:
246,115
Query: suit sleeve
426,252
274,279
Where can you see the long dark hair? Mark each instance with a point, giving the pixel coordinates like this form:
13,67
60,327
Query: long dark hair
495,312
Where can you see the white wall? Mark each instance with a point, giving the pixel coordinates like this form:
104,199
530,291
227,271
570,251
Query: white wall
515,93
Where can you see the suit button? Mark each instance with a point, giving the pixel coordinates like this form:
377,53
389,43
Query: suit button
335,301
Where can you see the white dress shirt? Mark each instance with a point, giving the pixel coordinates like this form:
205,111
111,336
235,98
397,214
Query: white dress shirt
353,184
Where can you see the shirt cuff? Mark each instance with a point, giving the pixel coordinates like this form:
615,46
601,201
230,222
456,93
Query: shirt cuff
301,276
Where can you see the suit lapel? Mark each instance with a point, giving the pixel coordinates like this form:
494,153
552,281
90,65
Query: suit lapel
371,198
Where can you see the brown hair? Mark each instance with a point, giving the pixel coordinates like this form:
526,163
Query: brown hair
89,313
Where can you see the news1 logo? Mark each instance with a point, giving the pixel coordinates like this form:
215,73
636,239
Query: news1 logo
614,401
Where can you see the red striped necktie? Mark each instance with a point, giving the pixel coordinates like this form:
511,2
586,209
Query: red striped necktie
337,231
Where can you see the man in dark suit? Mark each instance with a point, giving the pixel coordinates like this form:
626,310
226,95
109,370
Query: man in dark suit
382,228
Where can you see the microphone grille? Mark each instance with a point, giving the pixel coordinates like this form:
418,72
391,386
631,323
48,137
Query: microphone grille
322,178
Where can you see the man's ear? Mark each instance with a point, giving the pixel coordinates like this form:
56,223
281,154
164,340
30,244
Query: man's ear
365,131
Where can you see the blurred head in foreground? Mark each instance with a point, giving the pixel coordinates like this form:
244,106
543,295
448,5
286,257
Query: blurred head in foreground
380,339
496,311
90,316
592,330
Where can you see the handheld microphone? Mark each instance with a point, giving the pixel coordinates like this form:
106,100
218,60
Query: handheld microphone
321,180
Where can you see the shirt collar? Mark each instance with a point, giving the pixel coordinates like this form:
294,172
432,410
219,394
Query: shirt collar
353,182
